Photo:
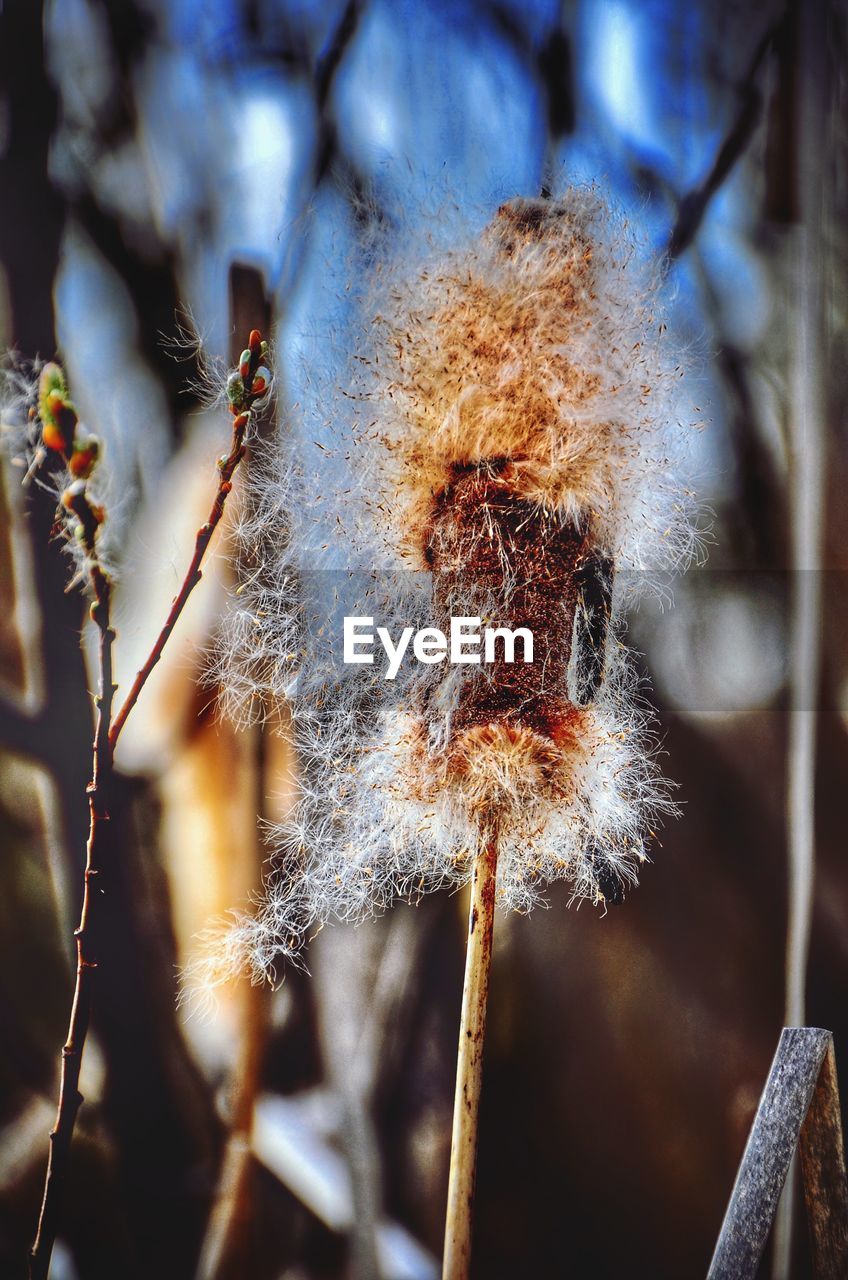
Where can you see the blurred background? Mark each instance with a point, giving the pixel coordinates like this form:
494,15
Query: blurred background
161,159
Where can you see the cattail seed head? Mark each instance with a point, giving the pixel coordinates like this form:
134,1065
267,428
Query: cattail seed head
512,456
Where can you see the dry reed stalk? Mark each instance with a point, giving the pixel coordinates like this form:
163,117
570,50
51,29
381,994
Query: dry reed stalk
469,1067
226,1246
807,471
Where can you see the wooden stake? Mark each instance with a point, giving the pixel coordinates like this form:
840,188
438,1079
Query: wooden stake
469,1070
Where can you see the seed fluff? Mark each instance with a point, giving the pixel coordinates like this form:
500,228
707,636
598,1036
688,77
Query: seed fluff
502,443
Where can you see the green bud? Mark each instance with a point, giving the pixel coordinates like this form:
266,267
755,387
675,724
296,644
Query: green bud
52,391
235,390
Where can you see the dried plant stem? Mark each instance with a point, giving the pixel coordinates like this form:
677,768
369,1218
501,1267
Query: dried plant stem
469,1070
226,1246
808,460
193,575
87,932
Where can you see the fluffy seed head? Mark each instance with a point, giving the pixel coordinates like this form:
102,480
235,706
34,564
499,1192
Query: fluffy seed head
512,450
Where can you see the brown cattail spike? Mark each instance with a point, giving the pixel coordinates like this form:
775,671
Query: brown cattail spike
523,565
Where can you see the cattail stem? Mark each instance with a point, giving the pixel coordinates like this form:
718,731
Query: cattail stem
93,903
469,1070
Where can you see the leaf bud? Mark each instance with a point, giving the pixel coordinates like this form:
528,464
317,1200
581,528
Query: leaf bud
52,437
84,457
235,390
74,495
51,382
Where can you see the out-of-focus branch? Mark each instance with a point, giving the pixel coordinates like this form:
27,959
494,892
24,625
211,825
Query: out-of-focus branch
807,461
693,206
24,732
226,1247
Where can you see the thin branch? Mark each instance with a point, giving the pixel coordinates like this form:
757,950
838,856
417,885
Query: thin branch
87,934
193,575
469,1071
245,389
694,205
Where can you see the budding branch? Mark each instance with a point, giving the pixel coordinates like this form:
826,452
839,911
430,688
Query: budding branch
252,384
193,574
87,935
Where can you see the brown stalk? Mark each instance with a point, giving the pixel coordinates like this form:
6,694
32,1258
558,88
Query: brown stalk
227,1245
226,1251
93,903
469,1070
193,575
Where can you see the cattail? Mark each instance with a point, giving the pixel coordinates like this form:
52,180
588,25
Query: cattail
510,461
504,448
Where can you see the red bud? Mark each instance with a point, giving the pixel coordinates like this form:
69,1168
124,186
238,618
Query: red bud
53,438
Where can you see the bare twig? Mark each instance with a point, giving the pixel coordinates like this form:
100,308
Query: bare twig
246,389
193,574
94,901
694,205
469,1071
